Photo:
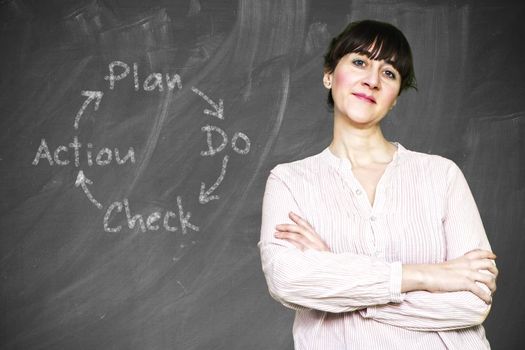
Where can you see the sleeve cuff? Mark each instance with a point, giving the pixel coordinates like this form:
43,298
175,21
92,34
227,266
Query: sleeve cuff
368,312
396,272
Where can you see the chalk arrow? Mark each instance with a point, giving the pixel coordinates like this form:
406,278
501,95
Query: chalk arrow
219,108
205,196
83,181
91,95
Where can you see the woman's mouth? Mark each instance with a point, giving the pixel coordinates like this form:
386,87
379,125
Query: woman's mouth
364,97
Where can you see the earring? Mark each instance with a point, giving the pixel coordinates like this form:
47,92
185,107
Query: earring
393,105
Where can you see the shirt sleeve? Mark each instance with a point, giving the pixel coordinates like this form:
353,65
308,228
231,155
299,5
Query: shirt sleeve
464,232
319,280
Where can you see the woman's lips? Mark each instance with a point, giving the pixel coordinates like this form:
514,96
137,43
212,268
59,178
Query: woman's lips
364,97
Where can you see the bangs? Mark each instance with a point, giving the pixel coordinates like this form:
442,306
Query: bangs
386,50
379,49
383,44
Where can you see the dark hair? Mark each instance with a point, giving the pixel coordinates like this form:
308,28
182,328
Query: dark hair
379,41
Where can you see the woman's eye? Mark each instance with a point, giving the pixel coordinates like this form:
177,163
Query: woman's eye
390,74
358,62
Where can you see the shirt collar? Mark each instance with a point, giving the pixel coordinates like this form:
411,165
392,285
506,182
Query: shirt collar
344,163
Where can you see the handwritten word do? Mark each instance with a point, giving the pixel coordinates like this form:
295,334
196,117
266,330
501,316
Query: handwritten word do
208,129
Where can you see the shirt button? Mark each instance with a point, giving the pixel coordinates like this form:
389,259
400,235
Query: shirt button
358,192
373,218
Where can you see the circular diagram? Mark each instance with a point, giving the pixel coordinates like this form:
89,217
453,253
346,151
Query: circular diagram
79,153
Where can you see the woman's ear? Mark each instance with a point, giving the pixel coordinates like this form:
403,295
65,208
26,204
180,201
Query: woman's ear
327,80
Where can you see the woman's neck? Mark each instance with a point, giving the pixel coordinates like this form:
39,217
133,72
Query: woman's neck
362,146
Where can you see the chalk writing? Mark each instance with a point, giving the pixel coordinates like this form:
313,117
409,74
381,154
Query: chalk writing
83,181
214,150
246,143
153,81
91,95
78,153
61,155
219,108
205,196
152,222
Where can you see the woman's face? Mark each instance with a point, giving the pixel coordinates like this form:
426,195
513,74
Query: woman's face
363,89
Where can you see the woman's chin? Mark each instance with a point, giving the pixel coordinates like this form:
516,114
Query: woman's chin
361,120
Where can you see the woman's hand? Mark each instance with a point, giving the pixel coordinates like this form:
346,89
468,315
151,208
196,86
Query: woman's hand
302,235
460,274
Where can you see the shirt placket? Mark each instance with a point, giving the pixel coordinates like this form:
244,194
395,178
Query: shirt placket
362,204
378,217
372,215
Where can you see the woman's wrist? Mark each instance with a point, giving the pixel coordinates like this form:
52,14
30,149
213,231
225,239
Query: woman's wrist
414,277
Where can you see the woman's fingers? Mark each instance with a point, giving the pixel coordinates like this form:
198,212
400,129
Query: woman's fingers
301,234
480,254
300,221
485,264
478,266
468,272
477,290
299,240
310,231
493,268
290,228
296,229
485,268
487,279
296,239
302,242
281,235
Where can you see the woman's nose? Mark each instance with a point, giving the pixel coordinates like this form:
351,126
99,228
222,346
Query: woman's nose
371,79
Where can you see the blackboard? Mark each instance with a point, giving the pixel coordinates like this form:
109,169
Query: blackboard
137,137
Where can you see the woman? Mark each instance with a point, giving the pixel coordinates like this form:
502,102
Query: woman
375,246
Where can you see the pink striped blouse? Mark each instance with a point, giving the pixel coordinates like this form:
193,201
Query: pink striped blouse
350,298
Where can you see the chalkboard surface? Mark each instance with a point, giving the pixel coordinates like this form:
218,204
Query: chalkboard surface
137,137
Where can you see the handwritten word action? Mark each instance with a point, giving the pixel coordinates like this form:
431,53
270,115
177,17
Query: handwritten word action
62,155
